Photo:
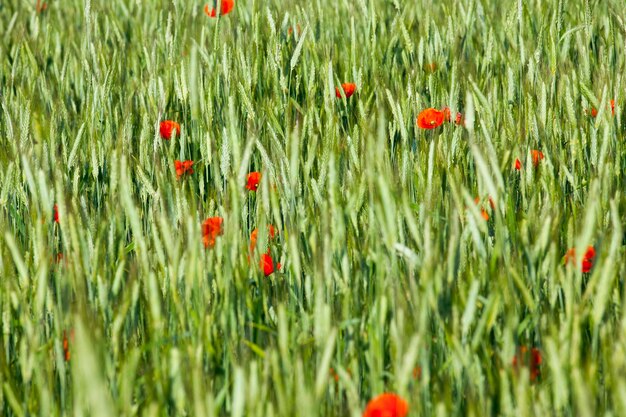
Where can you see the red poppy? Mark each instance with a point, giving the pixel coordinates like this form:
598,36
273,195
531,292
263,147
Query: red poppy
183,168
211,229
590,255
459,120
518,164
432,118
537,156
588,259
56,213
227,6
612,107
594,111
167,127
254,178
253,236
348,89
267,264
531,359
484,212
387,405
66,345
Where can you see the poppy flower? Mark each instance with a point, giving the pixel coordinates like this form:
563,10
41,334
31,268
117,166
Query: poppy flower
253,236
66,344
211,229
267,264
55,213
334,375
531,359
588,259
348,89
590,255
518,164
594,111
484,212
612,107
537,156
432,118
386,405
254,178
459,120
226,7
168,127
183,168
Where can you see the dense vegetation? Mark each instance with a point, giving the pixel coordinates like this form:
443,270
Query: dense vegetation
428,262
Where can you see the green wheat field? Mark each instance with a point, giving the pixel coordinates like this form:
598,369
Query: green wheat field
472,266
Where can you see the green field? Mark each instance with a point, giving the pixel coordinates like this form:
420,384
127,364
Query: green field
430,263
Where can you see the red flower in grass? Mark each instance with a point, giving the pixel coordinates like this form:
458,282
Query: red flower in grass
267,264
226,7
211,229
348,89
183,168
537,157
594,111
588,259
168,127
55,214
612,107
253,236
66,344
530,359
432,118
484,212
387,405
458,119
254,178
